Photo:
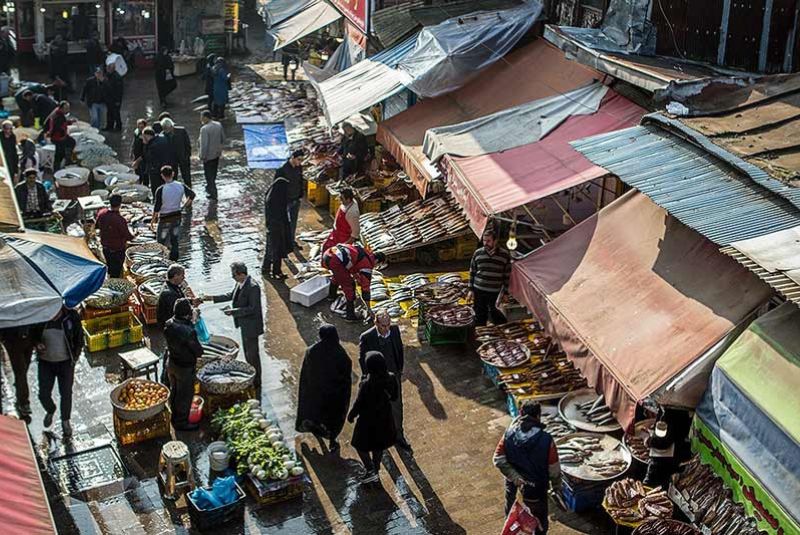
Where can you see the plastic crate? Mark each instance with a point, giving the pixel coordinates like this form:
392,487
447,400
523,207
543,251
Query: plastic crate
271,492
317,194
111,331
579,497
89,313
205,519
333,204
511,405
133,432
148,313
370,206
404,256
438,335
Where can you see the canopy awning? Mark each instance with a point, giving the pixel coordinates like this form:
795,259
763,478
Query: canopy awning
493,183
23,502
317,14
364,84
276,11
10,218
634,297
533,72
749,416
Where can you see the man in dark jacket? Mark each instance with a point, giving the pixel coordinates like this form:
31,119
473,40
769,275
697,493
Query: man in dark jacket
157,153
181,145
172,291
353,150
385,338
32,197
94,95
292,170
7,51
114,98
184,350
247,314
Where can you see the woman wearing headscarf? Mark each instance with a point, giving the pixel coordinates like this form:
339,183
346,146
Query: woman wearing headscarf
276,214
165,76
221,84
208,78
375,430
324,392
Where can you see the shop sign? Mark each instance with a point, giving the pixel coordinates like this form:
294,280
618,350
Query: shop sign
358,11
146,42
232,16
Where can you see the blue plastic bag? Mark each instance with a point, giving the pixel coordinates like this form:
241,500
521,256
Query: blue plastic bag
205,500
224,489
202,331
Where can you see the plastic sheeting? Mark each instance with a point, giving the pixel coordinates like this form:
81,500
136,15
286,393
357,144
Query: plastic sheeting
347,54
634,297
316,15
24,507
266,144
41,272
277,11
448,55
513,127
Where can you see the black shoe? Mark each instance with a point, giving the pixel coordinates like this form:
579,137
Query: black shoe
333,291
187,427
279,275
405,446
350,312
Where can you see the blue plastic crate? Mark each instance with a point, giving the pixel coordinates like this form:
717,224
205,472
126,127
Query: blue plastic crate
582,498
492,372
512,406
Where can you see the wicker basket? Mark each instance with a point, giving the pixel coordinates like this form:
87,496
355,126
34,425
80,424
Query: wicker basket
226,388
140,277
129,414
123,286
146,248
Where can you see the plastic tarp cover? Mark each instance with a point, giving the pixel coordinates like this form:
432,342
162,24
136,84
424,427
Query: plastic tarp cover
316,15
23,503
493,183
535,71
633,297
345,56
279,10
266,145
513,127
752,403
449,54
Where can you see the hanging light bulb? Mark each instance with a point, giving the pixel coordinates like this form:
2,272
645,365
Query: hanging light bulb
97,6
65,14
41,9
512,236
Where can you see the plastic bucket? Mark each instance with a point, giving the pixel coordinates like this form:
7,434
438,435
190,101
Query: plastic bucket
219,456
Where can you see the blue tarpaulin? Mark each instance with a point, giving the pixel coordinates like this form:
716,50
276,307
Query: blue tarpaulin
266,144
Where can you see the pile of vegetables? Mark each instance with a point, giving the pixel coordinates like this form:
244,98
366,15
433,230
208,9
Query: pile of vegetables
256,443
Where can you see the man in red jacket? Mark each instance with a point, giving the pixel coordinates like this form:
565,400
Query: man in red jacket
114,236
57,131
351,264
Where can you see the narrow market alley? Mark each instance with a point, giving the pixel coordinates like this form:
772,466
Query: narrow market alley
454,416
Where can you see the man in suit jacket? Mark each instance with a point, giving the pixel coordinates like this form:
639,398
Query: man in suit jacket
385,338
247,314
178,137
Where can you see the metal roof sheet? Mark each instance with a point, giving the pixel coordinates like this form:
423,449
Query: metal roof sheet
392,24
431,15
705,192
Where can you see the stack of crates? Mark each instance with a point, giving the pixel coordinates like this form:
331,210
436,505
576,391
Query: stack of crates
115,330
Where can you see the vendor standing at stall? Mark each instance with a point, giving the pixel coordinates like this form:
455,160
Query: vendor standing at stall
353,150
184,350
57,131
351,265
489,272
114,235
32,197
346,225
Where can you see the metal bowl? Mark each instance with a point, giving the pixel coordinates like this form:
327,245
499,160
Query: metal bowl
232,387
135,415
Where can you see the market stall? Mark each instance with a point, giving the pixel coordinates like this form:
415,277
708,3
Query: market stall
746,429
311,17
639,303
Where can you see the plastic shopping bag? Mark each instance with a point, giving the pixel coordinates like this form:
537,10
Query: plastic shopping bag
520,521
202,331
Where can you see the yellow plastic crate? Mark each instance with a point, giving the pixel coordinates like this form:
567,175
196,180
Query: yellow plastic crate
370,206
317,194
333,204
112,331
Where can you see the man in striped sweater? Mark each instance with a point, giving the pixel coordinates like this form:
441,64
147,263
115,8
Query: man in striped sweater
488,279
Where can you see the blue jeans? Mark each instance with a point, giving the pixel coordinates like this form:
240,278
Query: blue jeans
169,228
96,114
294,212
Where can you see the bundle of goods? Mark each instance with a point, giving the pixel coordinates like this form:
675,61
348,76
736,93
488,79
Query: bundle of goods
413,225
452,316
638,440
592,456
256,443
710,501
113,293
666,527
139,399
553,375
503,353
630,503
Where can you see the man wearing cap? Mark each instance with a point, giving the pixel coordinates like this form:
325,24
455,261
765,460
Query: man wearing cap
114,236
32,198
292,170
167,210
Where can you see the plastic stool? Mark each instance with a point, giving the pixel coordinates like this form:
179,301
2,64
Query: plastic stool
175,469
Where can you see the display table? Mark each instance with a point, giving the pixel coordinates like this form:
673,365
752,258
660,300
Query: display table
185,65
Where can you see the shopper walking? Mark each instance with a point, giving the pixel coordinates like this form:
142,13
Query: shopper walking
292,170
165,76
170,200
212,139
59,343
9,142
19,344
222,83
181,148
374,431
346,224
157,154
184,349
323,394
56,130
276,214
95,96
247,314
114,235
527,457
489,271
385,338
137,152
116,88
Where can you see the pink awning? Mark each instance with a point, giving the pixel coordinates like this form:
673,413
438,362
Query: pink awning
23,504
634,297
493,183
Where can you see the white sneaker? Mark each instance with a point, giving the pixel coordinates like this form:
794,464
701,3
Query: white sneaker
66,428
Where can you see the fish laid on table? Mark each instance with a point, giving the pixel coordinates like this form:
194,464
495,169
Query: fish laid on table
504,353
452,315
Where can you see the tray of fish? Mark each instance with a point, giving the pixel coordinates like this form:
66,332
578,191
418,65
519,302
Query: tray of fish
218,348
149,269
666,527
451,315
629,503
587,411
638,441
113,293
554,425
226,376
441,293
551,378
391,307
592,456
504,353
149,251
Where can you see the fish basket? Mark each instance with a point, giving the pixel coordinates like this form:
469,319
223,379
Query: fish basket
131,414
122,288
402,257
439,335
333,203
215,402
272,492
132,192
317,194
141,273
206,374
133,432
114,330
206,519
153,248
88,313
224,348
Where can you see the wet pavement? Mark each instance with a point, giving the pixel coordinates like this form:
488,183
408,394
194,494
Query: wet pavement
454,415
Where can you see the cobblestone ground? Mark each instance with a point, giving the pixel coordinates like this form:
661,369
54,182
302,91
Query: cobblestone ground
454,416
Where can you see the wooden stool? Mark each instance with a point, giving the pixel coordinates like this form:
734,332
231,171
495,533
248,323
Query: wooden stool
175,469
139,362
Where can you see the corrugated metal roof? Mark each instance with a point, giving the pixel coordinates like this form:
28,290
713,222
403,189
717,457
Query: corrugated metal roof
702,191
432,15
393,23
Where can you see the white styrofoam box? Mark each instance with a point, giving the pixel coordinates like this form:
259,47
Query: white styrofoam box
310,292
